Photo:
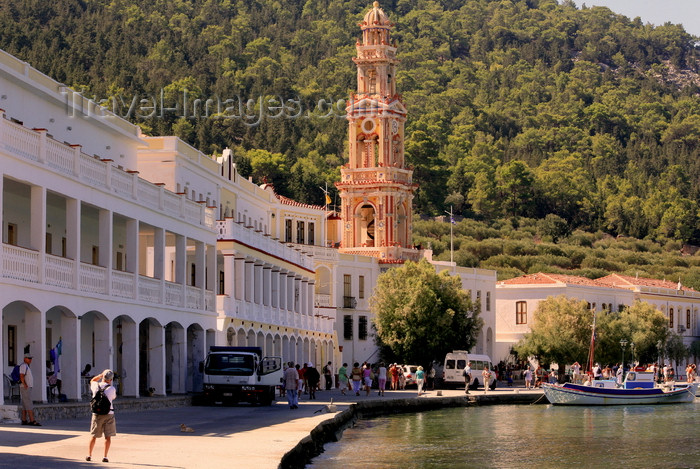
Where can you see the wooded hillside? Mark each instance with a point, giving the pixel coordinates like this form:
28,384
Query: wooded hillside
517,108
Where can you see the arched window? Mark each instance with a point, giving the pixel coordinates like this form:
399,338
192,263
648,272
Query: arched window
670,318
687,319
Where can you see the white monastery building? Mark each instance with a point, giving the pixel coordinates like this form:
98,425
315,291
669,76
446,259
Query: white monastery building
137,253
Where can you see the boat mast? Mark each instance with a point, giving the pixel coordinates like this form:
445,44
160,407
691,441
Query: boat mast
591,349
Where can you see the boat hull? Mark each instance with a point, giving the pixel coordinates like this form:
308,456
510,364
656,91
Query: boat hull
572,394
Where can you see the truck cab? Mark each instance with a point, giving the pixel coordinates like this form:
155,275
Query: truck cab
240,374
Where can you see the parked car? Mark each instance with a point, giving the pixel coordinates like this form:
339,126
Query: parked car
409,372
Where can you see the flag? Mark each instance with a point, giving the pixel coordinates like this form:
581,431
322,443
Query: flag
328,199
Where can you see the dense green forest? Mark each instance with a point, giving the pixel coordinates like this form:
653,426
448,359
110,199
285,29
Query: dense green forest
517,108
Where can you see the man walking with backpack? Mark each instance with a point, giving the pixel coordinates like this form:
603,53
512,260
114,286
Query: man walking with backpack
103,394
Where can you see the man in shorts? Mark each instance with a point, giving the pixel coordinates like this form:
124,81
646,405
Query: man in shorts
25,391
103,424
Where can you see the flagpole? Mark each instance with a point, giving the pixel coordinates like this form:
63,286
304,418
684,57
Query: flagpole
452,222
325,213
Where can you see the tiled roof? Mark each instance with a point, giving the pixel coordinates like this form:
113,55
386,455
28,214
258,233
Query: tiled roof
611,281
625,281
541,278
287,201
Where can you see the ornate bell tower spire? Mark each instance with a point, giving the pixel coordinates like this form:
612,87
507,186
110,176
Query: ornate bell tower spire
375,188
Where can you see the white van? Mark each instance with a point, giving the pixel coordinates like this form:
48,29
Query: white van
456,361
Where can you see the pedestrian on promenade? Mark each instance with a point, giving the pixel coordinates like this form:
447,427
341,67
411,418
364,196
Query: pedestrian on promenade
312,379
394,375
528,378
382,378
356,375
467,373
343,378
328,375
367,377
420,379
402,378
486,376
103,424
291,384
26,380
300,384
302,377
431,377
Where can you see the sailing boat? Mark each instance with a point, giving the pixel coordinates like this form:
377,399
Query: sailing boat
638,387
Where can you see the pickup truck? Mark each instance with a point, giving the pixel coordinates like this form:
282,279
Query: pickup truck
240,374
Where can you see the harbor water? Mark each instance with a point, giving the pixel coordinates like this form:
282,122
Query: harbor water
513,436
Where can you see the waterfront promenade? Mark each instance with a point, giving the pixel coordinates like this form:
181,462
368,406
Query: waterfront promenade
239,436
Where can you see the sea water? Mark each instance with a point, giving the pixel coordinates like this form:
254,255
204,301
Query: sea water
515,436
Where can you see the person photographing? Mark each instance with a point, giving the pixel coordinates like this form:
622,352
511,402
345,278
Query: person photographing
102,422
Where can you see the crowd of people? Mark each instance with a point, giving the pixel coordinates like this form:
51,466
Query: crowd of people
305,379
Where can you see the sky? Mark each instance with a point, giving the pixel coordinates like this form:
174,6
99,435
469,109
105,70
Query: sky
656,12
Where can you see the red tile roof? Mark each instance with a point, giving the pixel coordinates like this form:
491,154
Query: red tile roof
287,201
612,280
541,278
625,281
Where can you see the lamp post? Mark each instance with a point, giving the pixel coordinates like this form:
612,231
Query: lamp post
623,344
632,352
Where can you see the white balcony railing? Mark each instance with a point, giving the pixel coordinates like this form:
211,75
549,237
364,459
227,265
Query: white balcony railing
58,271
228,229
36,146
24,264
20,264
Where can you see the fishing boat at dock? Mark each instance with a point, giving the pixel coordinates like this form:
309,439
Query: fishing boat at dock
637,388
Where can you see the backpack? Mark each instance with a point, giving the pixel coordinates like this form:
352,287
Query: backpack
100,403
14,376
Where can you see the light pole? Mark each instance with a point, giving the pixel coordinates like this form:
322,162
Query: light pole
632,352
623,344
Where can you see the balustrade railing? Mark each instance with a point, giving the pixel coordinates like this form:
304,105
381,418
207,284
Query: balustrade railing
20,264
58,271
91,170
93,279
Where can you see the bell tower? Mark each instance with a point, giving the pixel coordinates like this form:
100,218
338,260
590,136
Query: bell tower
376,188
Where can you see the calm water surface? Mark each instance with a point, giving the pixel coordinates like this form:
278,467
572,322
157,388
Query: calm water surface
662,436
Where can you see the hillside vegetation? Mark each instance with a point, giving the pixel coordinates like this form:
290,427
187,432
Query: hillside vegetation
517,108
530,247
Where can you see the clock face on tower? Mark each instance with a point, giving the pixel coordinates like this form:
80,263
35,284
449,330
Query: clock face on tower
394,126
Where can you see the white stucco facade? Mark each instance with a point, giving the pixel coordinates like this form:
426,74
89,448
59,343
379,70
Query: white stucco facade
517,300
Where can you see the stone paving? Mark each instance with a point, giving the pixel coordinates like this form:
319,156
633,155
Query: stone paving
237,436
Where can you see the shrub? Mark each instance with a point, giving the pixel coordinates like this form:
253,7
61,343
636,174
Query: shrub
552,249
590,273
465,258
502,260
504,273
581,238
484,249
596,262
519,248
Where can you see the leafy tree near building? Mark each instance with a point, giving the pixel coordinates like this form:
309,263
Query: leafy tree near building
420,314
675,349
695,349
641,324
560,333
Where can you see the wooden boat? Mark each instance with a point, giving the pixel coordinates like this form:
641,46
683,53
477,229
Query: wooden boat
638,388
